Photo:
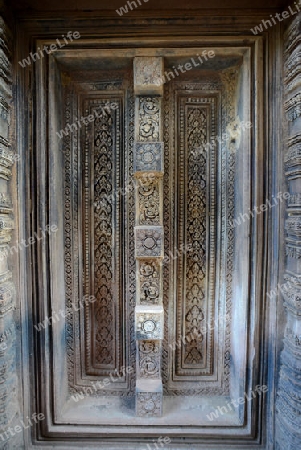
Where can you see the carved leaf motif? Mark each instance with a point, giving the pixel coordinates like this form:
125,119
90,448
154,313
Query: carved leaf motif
196,234
149,119
103,238
148,197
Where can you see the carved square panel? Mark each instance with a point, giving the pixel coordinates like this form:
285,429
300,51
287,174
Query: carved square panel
148,398
149,322
148,157
148,75
149,241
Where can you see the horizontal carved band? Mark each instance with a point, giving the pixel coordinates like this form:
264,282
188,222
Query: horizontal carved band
293,108
294,200
291,291
293,251
292,36
293,66
6,223
293,226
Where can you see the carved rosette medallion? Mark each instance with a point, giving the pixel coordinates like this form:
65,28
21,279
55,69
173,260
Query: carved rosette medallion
148,157
149,323
149,242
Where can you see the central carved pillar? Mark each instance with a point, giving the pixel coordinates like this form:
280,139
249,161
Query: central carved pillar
149,252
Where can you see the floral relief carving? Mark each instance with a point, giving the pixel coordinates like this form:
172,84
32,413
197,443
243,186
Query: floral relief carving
149,115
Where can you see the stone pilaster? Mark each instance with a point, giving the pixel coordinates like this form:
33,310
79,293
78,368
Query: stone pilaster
149,239
288,406
10,420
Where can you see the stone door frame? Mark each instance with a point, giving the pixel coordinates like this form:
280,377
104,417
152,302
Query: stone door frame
29,30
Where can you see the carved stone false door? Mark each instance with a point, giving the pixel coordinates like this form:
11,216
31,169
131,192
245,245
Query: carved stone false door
154,173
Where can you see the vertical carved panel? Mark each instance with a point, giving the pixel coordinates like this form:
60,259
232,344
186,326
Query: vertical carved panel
199,194
194,349
102,235
103,313
196,224
96,214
